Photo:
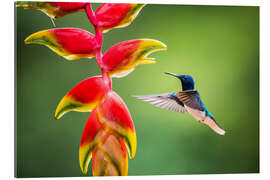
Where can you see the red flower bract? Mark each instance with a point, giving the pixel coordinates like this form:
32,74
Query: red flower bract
71,43
114,113
91,128
83,97
116,15
75,41
53,9
69,6
109,14
122,58
110,119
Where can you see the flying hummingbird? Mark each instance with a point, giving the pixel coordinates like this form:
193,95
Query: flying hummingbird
185,101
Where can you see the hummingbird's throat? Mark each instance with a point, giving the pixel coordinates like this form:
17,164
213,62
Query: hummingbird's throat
187,87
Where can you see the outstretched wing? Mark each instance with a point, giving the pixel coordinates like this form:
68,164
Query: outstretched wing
165,101
191,99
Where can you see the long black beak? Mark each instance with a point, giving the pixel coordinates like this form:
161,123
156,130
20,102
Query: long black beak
175,75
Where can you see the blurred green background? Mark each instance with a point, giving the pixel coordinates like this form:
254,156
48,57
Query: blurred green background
217,45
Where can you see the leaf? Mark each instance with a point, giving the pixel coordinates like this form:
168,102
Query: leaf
71,43
114,115
116,15
53,9
83,97
122,58
110,158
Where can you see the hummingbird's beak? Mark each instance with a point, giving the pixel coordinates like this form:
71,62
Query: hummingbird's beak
171,74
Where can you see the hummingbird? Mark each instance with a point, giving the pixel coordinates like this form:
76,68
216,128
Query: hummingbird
186,101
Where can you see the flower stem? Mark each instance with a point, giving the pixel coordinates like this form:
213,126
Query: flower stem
90,14
99,38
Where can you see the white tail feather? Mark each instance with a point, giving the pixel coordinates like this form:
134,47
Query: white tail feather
213,125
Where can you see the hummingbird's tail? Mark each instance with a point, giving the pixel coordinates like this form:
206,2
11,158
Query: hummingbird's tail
213,125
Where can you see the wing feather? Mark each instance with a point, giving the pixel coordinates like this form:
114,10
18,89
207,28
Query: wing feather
191,99
165,101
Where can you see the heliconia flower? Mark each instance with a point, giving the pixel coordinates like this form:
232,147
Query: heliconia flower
53,9
116,15
122,58
114,115
83,97
110,158
108,131
107,150
71,43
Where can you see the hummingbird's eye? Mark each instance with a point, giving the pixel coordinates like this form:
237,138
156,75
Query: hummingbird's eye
185,78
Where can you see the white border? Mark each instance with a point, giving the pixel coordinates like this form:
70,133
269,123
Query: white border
187,2
7,89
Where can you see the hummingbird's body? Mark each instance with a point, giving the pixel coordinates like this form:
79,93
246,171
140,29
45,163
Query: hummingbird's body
186,101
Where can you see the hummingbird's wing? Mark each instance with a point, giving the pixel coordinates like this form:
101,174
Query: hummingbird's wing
165,101
194,105
191,99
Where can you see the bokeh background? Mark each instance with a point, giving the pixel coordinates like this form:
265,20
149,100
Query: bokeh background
217,45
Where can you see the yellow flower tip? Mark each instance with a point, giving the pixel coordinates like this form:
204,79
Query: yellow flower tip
25,4
60,109
84,169
41,37
20,3
147,47
28,40
131,144
66,104
57,115
148,61
159,45
84,158
152,45
137,8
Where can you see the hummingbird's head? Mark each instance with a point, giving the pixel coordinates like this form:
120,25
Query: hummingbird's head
186,80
